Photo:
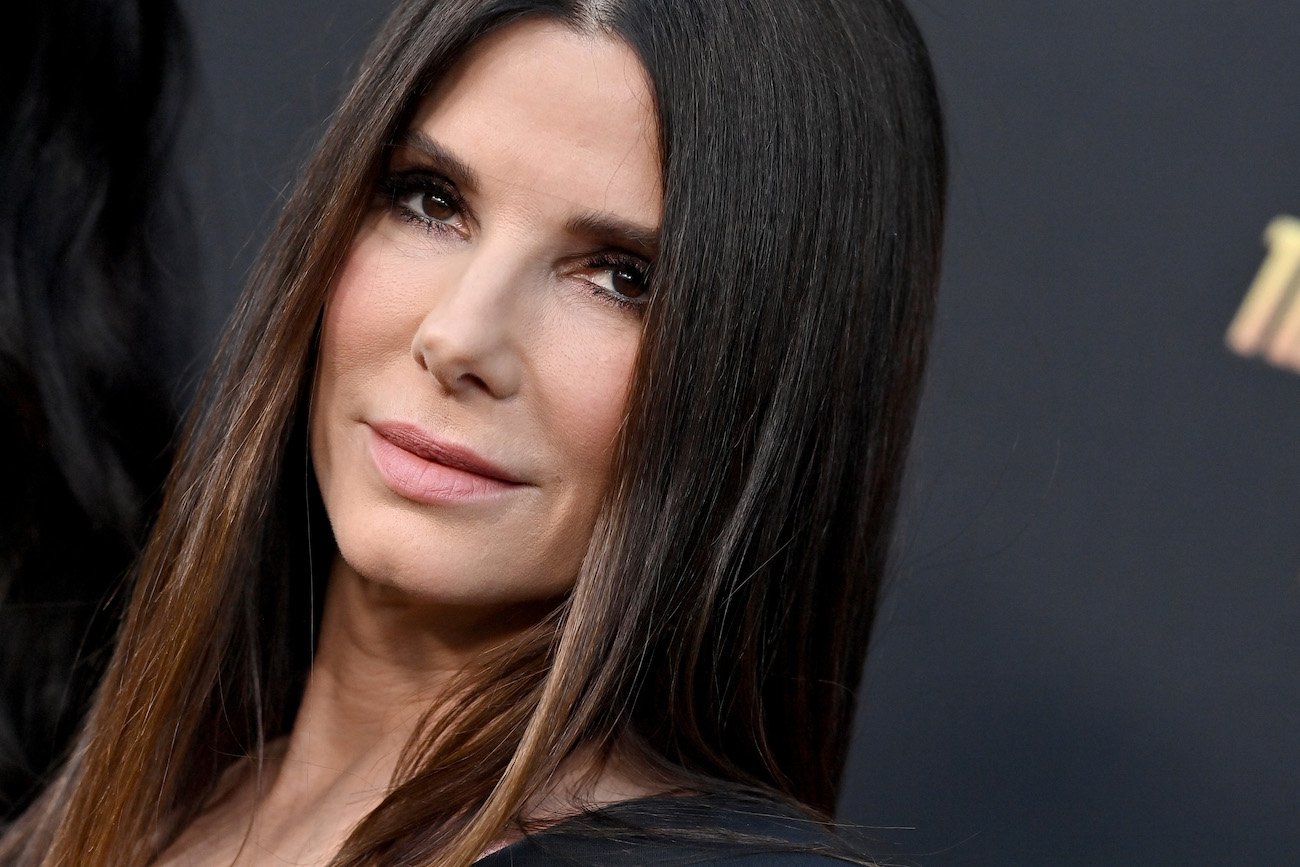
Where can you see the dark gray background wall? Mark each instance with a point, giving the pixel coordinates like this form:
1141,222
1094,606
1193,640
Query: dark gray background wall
1091,652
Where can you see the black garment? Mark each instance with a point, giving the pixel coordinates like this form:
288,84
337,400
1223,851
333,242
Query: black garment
680,830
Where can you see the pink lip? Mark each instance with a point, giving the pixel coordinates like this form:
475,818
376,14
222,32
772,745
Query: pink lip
418,467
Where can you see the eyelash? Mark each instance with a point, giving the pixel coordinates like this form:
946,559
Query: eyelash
395,187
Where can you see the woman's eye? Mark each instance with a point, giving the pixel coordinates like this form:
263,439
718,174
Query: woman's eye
622,281
431,204
422,198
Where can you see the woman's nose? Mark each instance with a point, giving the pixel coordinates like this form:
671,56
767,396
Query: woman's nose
468,339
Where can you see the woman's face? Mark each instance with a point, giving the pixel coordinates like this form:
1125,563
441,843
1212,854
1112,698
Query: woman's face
479,342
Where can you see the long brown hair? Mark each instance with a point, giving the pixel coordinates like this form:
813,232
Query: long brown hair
720,618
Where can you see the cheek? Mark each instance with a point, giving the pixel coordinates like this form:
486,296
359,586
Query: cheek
583,386
368,317
362,330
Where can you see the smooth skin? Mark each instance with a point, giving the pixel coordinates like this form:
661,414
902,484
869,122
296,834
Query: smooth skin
500,313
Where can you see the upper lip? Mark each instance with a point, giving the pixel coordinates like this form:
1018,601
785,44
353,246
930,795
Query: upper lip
420,442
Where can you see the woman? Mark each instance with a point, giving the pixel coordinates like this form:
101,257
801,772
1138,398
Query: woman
549,465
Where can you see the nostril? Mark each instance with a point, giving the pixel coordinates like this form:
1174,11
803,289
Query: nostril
473,380
420,350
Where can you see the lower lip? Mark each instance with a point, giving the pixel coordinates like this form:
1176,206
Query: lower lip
425,481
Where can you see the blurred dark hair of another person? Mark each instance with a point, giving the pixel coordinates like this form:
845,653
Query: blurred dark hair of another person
89,220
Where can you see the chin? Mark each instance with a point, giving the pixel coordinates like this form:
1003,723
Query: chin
430,562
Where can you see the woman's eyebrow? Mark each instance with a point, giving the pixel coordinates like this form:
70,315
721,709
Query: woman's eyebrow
606,228
456,169
615,231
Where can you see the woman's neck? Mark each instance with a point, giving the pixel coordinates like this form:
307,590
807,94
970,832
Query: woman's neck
382,661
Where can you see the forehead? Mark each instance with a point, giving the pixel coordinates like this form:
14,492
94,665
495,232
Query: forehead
563,117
